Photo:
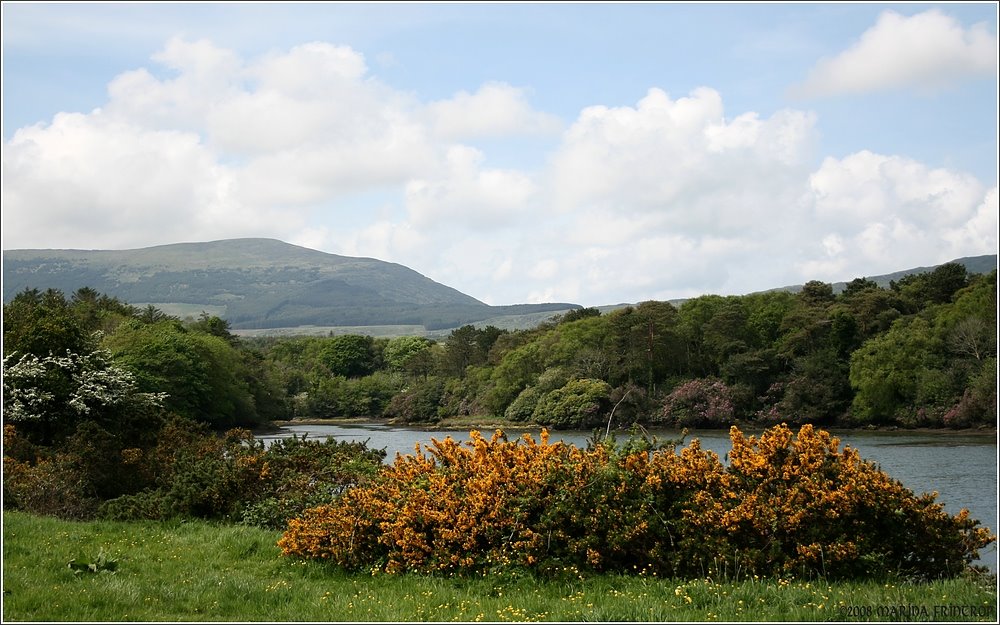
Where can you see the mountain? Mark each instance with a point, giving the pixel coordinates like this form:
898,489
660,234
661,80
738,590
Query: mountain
263,285
257,283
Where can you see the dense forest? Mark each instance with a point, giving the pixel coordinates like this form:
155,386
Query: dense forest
919,353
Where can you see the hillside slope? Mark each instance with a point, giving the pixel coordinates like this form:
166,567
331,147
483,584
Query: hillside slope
255,283
972,264
264,284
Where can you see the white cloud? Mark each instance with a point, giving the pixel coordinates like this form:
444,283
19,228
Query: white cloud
221,147
495,110
866,187
682,161
384,239
310,70
927,51
884,213
667,198
466,193
87,181
205,76
978,234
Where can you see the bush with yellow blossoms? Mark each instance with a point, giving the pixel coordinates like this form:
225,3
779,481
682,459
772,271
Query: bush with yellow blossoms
785,505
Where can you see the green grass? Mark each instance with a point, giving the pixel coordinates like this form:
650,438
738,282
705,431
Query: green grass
197,571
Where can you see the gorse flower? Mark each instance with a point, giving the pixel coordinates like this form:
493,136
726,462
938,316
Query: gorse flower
785,504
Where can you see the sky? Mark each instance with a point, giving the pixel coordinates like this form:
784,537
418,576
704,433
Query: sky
522,152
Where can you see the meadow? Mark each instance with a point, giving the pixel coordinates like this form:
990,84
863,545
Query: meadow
203,571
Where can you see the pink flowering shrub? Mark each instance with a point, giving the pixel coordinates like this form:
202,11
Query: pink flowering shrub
702,402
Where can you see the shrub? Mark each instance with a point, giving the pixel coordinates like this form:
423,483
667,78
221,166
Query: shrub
40,481
802,505
784,506
235,477
523,407
419,403
300,474
699,403
69,481
580,404
197,474
50,487
494,503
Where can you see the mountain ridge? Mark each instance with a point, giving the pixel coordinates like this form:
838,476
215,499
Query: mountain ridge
260,284
256,283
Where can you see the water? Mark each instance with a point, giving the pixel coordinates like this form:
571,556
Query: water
961,468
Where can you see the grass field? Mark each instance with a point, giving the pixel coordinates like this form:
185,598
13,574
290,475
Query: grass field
196,571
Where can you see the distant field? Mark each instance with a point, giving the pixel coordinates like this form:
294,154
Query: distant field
185,310
376,331
504,322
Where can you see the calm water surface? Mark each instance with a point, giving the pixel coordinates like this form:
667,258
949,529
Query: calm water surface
962,468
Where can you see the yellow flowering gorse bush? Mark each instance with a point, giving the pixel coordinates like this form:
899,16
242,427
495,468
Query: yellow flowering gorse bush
785,504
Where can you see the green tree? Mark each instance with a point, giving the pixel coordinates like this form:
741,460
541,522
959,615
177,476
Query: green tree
467,346
203,375
886,371
43,324
873,308
420,402
934,287
406,353
580,343
644,344
215,326
579,313
694,314
765,313
816,390
518,369
726,333
580,404
349,355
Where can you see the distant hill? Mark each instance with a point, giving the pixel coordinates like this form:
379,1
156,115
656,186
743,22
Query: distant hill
257,283
972,264
266,286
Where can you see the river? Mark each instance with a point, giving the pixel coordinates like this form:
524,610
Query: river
962,468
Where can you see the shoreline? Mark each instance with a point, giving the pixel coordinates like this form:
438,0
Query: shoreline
489,426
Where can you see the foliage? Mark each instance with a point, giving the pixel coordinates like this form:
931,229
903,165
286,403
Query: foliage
99,564
419,402
785,505
887,372
48,396
523,407
699,403
238,478
468,346
407,353
49,486
203,375
800,504
42,324
349,355
919,353
368,396
578,405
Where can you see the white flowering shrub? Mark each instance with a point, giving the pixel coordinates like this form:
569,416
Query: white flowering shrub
56,392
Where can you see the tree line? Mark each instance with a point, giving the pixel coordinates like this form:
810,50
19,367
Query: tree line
921,352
